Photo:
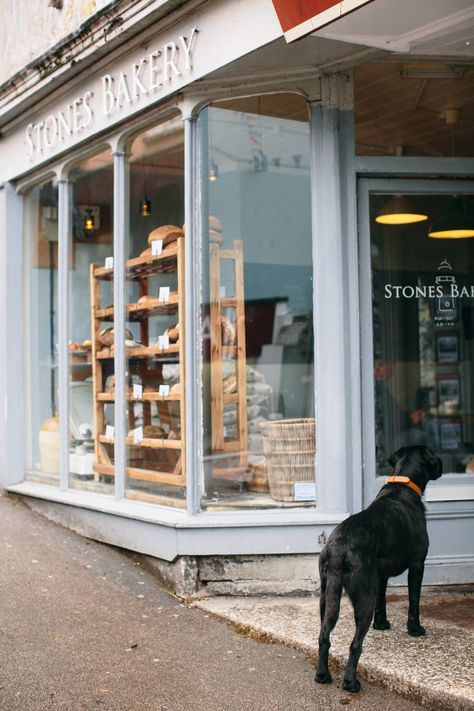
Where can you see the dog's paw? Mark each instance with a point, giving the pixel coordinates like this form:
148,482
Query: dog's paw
381,625
416,631
352,686
323,677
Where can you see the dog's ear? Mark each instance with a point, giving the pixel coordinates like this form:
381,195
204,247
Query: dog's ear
436,467
396,456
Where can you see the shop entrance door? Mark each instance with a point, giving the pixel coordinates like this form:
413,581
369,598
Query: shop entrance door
417,327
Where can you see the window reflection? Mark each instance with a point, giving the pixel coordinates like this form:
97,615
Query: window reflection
257,304
423,331
41,334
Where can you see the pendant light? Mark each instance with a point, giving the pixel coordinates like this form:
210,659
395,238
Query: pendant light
89,222
457,224
452,227
144,207
213,171
400,210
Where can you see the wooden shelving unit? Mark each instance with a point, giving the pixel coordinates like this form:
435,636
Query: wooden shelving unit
153,460
219,351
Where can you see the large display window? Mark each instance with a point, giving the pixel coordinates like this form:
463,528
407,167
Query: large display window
154,295
41,333
257,304
91,332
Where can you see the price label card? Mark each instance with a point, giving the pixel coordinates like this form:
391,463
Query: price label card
137,390
156,247
164,390
110,432
109,262
164,294
138,435
222,292
305,491
163,341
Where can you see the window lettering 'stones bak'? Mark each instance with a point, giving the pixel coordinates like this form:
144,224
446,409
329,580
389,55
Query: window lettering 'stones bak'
148,76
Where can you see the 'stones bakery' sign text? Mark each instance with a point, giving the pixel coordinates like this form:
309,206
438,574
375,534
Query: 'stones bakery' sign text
151,74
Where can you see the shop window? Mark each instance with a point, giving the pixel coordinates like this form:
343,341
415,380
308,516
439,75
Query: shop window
91,335
155,293
409,108
41,334
257,304
423,325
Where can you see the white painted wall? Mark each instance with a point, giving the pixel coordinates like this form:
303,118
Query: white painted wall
30,27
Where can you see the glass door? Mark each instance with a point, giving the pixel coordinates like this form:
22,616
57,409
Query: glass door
417,326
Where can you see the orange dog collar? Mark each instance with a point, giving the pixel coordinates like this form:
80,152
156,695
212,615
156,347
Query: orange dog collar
404,480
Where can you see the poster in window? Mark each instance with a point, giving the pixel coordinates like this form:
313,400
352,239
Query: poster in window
448,394
450,434
447,347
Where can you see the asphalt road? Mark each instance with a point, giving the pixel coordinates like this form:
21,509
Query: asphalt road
84,628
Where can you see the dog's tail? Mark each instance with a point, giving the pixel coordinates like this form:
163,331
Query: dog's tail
330,597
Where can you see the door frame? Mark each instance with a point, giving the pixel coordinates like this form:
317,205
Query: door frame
451,487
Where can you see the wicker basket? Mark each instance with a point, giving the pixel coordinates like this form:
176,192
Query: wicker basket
257,478
289,446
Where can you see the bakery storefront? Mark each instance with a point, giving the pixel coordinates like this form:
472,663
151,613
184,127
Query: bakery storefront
207,278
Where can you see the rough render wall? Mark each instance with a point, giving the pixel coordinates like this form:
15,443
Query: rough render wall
30,27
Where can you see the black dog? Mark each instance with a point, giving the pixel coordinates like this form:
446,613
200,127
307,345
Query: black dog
371,546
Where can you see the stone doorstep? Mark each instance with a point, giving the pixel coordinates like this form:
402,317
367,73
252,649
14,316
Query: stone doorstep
435,671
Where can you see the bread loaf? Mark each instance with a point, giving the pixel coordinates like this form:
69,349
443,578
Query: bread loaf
168,233
228,331
173,333
146,299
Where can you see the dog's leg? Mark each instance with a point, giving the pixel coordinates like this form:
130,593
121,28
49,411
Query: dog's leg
330,601
415,577
364,603
380,616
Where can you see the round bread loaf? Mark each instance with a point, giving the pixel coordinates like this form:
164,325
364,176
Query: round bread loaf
173,333
215,237
168,233
146,299
215,224
228,331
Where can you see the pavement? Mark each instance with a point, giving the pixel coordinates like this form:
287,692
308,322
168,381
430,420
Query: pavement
85,627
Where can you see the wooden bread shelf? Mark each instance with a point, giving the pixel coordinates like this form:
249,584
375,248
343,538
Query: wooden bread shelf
139,352
155,460
236,352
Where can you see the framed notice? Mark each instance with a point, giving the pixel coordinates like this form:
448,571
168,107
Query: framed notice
447,347
450,434
449,391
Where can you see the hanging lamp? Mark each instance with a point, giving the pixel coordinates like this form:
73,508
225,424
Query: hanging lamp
399,210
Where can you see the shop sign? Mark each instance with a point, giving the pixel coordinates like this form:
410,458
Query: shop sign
152,73
445,290
300,17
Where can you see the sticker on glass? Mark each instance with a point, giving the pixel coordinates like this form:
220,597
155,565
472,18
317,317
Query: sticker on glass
305,491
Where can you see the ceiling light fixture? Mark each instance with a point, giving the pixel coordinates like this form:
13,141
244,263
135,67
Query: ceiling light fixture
399,210
453,226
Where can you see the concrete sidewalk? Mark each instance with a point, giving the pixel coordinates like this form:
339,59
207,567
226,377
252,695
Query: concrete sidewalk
436,671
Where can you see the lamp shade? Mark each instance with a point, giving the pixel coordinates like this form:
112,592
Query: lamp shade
454,226
399,210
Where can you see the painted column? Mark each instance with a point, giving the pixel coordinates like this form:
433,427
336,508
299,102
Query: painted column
333,185
12,343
